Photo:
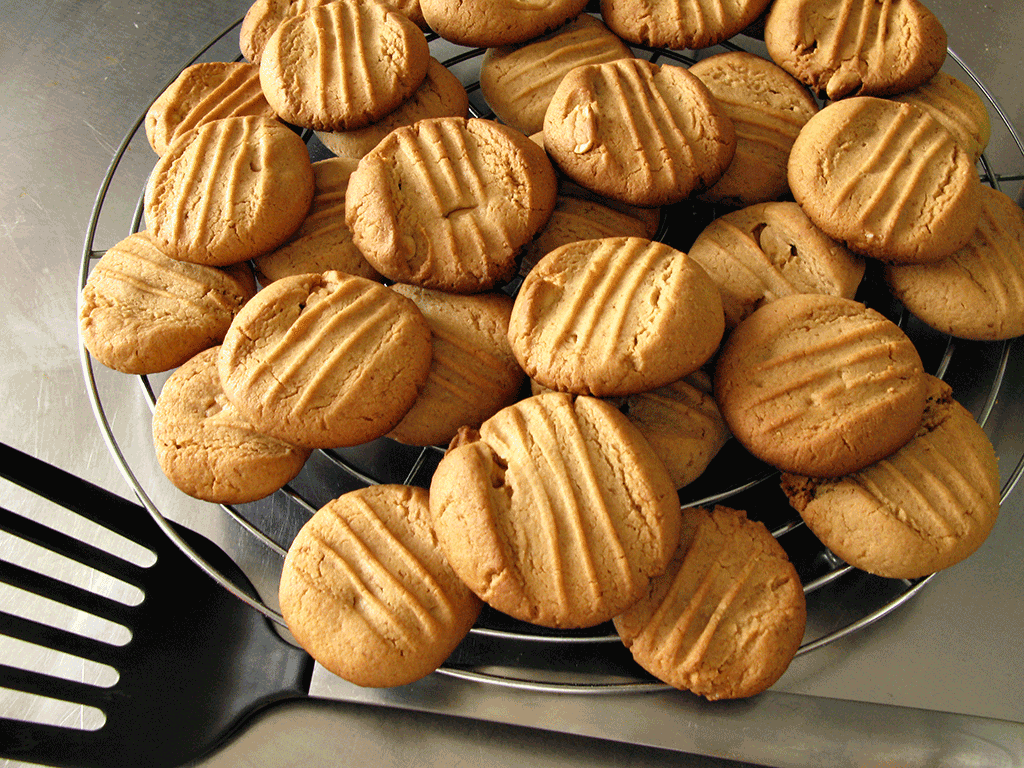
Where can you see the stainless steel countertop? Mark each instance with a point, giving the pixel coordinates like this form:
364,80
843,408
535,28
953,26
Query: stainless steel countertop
75,76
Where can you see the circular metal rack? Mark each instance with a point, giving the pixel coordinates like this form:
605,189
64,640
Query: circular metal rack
500,650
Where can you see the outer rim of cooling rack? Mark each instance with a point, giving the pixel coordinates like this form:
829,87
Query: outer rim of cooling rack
243,594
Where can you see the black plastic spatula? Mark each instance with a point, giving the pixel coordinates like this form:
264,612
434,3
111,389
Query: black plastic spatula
199,660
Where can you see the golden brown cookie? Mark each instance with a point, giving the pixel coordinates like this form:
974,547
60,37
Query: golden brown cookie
886,179
343,65
768,107
367,593
556,512
264,16
615,316
207,448
203,92
229,191
954,104
493,23
575,219
143,312
764,251
519,81
323,242
325,360
441,94
643,133
978,292
819,382
925,508
473,373
844,47
680,23
682,423
727,617
448,203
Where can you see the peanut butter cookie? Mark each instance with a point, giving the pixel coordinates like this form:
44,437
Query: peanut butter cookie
493,23
556,512
727,617
325,360
615,316
886,179
207,448
768,250
643,133
143,312
229,191
203,92
847,47
367,593
821,383
343,65
448,203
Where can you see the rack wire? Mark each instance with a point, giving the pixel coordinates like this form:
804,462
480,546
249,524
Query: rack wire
734,477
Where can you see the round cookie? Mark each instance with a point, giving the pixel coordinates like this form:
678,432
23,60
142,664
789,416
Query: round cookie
575,219
143,312
954,104
680,23
519,81
886,179
229,191
343,65
728,615
207,448
264,16
768,107
925,508
978,292
367,593
643,133
441,94
323,242
615,316
768,250
473,373
820,385
557,512
682,423
325,360
448,203
842,48
204,92
493,23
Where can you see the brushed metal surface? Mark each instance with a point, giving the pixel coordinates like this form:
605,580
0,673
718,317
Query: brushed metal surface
938,683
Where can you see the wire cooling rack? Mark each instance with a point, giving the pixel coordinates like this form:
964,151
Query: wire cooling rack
499,650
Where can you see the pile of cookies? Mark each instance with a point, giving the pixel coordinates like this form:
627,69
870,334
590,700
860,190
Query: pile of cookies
386,308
